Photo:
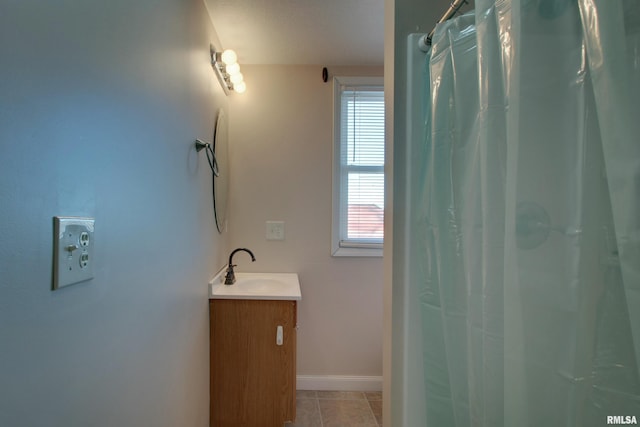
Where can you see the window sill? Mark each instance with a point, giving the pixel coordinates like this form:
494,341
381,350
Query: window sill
357,252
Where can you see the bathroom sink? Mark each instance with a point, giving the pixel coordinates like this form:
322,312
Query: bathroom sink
262,286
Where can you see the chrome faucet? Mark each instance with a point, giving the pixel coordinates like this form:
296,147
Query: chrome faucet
230,277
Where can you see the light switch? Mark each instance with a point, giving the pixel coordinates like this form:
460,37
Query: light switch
275,230
73,250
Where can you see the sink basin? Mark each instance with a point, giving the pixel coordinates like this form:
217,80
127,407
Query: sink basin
262,286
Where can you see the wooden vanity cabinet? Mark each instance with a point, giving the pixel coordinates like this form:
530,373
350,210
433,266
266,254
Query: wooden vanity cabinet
252,378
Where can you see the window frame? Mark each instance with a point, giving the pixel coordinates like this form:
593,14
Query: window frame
338,194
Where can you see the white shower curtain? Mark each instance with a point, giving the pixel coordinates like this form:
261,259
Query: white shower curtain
525,223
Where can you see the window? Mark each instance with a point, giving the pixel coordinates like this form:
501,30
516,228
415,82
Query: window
358,167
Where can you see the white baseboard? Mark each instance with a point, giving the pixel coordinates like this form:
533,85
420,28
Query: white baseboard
338,383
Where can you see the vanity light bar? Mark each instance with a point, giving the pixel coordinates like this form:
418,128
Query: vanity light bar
227,70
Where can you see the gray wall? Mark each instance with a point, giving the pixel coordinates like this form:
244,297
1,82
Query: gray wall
99,105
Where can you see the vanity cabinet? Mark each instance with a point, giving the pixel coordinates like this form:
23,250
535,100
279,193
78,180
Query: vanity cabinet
253,371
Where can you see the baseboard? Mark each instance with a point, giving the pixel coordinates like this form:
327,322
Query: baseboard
338,383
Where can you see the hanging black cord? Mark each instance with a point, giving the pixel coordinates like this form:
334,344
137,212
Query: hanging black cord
215,171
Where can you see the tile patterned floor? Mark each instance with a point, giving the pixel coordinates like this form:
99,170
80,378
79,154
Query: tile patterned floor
338,409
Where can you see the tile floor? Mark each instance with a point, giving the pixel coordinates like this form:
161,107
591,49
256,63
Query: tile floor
338,409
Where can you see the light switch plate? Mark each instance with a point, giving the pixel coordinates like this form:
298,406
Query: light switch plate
72,250
275,230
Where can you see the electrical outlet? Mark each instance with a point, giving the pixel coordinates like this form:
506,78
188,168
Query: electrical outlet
73,250
275,230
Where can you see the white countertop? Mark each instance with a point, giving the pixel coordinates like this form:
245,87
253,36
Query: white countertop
258,286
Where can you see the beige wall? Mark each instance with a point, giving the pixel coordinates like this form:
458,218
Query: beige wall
280,152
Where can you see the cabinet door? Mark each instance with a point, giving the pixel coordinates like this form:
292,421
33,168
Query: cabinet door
252,377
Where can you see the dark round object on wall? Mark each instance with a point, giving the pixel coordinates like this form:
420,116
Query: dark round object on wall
325,74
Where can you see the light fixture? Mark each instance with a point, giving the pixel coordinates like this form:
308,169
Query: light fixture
233,68
229,57
236,78
240,87
227,70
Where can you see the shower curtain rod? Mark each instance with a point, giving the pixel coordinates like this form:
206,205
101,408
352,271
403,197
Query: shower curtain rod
450,13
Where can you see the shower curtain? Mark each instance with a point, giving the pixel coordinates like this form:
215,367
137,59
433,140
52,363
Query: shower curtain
525,215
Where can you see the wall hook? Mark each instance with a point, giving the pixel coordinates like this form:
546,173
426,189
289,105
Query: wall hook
200,145
211,156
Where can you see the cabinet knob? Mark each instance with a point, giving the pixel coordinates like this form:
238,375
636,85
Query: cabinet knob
279,335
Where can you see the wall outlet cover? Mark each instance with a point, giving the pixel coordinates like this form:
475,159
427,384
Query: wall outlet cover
275,230
72,250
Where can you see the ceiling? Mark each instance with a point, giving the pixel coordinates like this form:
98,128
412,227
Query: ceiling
326,32
319,32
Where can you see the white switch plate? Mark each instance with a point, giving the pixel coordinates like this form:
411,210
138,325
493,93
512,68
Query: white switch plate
72,250
275,230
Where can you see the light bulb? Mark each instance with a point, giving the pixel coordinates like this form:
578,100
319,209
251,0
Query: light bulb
232,69
229,57
240,87
236,78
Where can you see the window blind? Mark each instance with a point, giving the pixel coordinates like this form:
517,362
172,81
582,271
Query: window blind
361,166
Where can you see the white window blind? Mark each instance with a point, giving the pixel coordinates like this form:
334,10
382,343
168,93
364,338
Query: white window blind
359,169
